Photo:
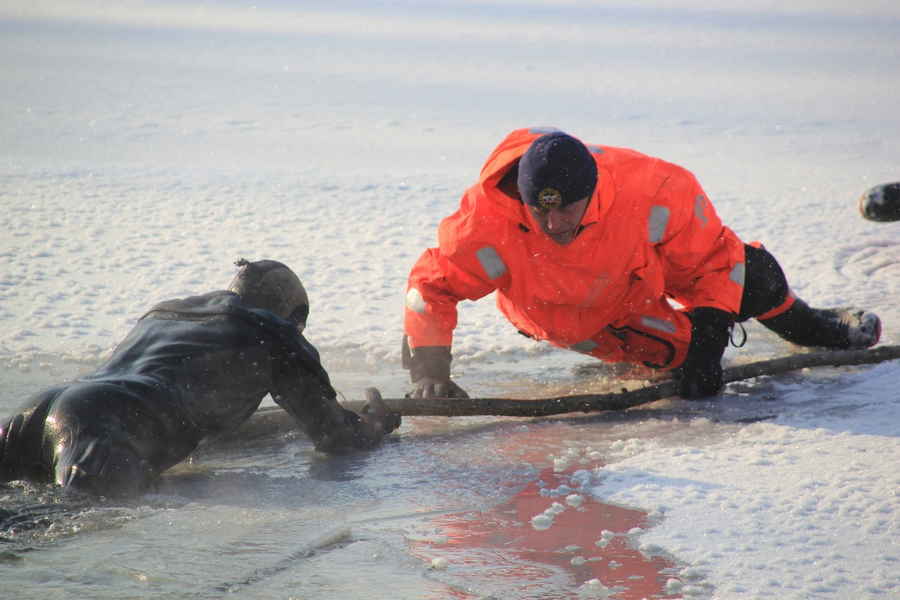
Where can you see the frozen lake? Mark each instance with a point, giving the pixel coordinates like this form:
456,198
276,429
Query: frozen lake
147,145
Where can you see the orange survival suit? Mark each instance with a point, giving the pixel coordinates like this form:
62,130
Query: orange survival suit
649,234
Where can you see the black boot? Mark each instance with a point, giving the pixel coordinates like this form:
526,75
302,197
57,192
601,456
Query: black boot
829,328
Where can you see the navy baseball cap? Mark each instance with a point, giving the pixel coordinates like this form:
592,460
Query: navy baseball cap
556,170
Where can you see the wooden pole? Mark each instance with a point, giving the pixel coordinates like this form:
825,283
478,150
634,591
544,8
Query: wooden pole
274,418
542,407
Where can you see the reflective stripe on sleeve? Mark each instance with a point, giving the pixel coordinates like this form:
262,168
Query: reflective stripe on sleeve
659,220
414,301
491,262
658,324
738,273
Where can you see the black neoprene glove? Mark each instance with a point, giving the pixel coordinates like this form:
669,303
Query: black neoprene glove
360,431
429,371
375,420
700,375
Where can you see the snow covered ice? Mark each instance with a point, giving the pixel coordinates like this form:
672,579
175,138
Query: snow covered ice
148,145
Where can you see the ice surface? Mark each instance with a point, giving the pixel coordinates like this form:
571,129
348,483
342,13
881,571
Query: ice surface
147,145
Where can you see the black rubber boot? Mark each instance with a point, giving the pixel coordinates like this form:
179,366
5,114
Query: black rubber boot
828,328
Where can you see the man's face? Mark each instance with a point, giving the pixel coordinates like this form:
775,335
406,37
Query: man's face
560,223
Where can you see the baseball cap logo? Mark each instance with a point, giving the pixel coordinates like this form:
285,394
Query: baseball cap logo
549,198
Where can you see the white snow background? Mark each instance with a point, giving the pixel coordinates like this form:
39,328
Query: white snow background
144,146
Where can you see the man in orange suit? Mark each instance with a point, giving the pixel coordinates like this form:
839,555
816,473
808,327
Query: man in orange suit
587,248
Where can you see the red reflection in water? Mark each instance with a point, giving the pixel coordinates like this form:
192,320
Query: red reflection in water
502,545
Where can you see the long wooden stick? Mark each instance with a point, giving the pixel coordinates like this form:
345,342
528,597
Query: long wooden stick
273,418
542,407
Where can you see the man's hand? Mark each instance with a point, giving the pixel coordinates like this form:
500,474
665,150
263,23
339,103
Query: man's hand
359,431
376,416
429,387
429,371
700,375
698,381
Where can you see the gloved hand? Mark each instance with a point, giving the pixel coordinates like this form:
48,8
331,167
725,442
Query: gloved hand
700,375
360,431
376,419
426,387
429,371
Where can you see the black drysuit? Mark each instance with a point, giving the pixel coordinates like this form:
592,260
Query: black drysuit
190,369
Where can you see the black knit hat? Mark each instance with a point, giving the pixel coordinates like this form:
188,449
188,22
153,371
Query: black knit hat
556,170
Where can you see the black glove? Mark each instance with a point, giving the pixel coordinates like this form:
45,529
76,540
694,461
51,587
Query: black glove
361,431
429,371
376,417
700,375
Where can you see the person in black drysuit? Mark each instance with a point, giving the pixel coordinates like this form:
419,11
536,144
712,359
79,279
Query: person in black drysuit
190,369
